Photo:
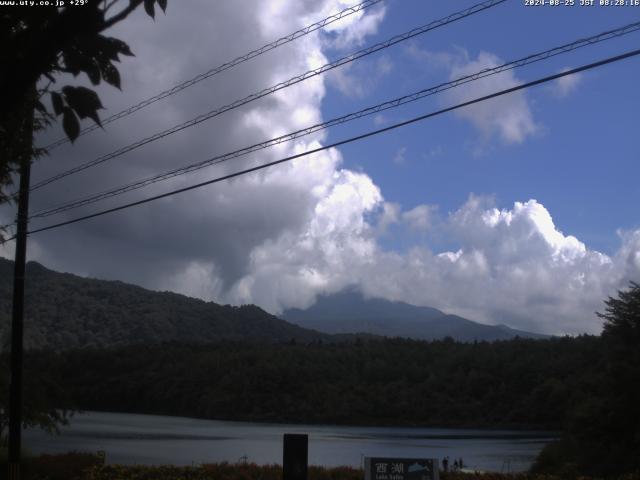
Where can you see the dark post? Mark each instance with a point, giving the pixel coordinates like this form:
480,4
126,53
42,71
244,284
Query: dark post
15,392
295,456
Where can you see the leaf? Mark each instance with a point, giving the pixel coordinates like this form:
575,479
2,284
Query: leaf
84,102
163,5
121,47
93,72
148,7
70,124
109,49
111,75
58,104
71,63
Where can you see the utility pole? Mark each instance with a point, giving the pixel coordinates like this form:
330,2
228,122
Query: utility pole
17,318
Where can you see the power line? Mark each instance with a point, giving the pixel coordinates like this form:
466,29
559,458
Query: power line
533,58
225,66
346,141
292,81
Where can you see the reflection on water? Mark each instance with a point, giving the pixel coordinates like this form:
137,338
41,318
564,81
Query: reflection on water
153,440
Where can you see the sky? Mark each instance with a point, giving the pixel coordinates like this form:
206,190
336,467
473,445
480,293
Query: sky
521,210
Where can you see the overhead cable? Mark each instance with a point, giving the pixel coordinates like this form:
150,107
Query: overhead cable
346,141
225,66
263,93
396,102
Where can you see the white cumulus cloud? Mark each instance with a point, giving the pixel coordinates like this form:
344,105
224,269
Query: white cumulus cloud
564,86
512,266
280,237
420,217
508,116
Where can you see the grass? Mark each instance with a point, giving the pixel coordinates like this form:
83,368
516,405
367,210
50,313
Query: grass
86,466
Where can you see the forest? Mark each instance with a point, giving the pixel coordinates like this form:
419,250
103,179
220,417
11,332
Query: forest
65,311
587,388
519,383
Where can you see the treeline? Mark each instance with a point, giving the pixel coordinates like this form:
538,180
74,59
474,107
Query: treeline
588,387
518,383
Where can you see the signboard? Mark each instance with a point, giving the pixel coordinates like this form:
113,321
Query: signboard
378,468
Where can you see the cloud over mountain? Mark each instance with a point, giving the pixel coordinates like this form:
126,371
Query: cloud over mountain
280,237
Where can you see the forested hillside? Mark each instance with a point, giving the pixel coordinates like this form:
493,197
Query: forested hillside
518,383
64,311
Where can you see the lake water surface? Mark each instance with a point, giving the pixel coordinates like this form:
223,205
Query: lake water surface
154,440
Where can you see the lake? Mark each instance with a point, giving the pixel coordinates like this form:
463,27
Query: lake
154,440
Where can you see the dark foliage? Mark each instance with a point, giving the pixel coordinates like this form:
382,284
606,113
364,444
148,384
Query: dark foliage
622,317
68,466
169,354
519,383
217,471
45,403
65,311
74,467
39,44
602,434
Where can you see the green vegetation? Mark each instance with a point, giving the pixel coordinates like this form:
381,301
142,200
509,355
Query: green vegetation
273,472
168,354
44,401
37,45
64,311
218,471
77,466
67,466
602,430
519,383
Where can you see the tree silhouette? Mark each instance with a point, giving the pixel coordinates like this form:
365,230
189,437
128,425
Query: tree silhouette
39,43
622,317
602,434
621,335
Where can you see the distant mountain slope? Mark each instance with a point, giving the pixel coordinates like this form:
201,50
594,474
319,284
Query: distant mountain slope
350,312
65,311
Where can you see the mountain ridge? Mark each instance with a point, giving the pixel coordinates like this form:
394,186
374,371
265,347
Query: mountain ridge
349,311
66,311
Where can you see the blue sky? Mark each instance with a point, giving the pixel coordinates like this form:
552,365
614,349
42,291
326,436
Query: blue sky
582,162
521,211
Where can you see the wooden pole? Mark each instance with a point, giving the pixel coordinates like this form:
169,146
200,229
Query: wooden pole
17,318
